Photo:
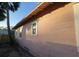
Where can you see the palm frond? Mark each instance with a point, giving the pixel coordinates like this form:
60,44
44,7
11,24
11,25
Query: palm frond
2,17
4,5
14,6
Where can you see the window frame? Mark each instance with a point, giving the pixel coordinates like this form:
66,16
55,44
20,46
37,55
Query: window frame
32,28
20,31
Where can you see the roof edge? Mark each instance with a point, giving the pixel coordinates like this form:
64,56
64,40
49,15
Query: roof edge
30,14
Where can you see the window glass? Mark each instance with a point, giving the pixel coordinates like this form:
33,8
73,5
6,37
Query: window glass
20,34
34,28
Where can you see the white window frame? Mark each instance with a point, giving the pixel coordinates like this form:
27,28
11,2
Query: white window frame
32,28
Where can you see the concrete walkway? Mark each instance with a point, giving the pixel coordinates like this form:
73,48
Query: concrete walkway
13,51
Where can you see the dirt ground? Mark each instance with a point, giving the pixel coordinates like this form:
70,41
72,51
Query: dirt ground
13,51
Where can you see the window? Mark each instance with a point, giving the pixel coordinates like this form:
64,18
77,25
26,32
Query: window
20,34
34,28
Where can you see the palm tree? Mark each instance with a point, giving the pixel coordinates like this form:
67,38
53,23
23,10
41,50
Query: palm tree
5,7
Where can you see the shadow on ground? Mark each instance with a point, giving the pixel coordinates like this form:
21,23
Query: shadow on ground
6,50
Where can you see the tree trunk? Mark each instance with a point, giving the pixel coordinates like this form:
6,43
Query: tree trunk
8,27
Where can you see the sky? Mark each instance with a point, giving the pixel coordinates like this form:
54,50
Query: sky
24,9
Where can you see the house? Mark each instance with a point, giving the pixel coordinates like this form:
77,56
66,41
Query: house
3,32
51,29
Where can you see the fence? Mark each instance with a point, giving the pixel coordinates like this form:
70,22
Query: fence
4,38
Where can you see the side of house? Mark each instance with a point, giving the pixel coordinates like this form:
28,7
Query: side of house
3,32
51,32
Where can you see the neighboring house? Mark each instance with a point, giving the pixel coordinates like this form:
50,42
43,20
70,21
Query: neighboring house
3,32
51,29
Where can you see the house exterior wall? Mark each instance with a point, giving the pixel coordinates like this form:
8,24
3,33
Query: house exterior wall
17,35
76,21
55,34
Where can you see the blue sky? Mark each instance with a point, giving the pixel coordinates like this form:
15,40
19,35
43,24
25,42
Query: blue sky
24,9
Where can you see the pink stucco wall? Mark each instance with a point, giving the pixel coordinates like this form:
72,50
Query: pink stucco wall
55,34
